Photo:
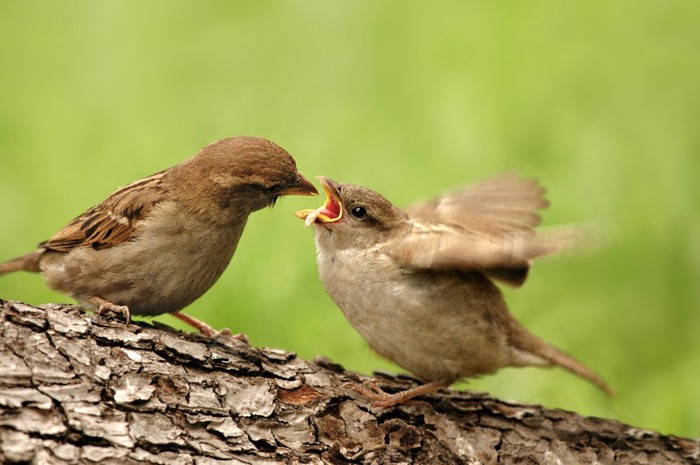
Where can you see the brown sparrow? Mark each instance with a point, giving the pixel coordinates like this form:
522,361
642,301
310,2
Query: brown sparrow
418,285
158,244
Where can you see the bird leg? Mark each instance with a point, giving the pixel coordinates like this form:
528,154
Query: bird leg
382,399
207,330
104,306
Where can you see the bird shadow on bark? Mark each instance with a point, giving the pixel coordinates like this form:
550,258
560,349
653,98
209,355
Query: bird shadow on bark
75,388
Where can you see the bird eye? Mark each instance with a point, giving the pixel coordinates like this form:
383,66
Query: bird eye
359,212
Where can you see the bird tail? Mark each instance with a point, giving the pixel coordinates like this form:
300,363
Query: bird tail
29,262
534,351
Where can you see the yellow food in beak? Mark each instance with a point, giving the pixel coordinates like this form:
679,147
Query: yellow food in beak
332,209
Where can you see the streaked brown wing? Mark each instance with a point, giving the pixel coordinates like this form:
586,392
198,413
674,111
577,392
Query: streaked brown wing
113,221
488,227
495,206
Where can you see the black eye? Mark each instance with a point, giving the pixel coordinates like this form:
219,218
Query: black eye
358,212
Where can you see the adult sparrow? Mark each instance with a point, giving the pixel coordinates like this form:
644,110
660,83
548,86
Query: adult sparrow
418,285
157,244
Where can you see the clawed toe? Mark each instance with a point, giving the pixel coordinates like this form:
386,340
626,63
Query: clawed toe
109,307
382,399
225,332
239,337
202,327
371,390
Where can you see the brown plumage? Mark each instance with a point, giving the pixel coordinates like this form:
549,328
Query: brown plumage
417,284
157,244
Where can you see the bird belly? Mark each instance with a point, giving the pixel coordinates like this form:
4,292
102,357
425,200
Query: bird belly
162,270
439,327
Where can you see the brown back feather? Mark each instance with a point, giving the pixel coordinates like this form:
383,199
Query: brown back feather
113,221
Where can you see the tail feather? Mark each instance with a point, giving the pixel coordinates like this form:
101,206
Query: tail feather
29,262
537,352
566,361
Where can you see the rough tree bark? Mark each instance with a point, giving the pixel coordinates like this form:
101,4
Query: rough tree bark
76,388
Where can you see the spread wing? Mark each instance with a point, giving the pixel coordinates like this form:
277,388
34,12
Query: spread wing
113,221
487,227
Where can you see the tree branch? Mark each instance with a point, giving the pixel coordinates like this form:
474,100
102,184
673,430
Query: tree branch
81,389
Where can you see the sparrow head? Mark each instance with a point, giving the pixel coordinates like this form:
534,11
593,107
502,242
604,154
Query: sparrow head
236,176
354,216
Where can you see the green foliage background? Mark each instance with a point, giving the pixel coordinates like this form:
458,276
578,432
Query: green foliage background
600,100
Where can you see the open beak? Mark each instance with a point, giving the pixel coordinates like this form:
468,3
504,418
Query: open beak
302,187
331,211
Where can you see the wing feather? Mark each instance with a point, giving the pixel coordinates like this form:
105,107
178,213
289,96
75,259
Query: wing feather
487,227
113,221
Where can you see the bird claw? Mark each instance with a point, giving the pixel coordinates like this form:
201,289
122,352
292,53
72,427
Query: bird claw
105,307
226,333
208,331
382,399
216,333
373,392
239,337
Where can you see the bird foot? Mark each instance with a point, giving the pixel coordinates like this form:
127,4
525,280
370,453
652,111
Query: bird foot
207,330
239,337
105,306
382,399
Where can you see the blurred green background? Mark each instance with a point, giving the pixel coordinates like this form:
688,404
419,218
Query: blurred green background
600,100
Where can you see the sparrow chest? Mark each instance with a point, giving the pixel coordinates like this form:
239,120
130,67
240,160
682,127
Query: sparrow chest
185,260
370,291
439,327
201,253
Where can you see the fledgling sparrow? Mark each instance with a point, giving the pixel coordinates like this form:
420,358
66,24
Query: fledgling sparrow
157,244
418,285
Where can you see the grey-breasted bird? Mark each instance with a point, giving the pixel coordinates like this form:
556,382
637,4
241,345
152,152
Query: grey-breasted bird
418,285
157,244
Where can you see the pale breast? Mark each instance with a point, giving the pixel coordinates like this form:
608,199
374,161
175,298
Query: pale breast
438,326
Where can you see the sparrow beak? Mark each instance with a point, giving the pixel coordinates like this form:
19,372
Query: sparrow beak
302,187
331,211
